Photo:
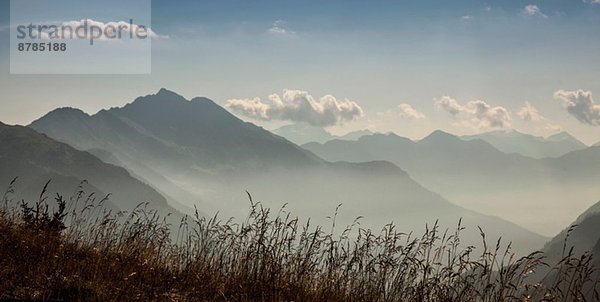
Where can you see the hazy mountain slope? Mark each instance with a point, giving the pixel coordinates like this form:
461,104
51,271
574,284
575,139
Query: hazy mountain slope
165,128
214,157
580,165
151,177
303,133
528,145
354,135
183,141
476,175
35,158
381,193
438,157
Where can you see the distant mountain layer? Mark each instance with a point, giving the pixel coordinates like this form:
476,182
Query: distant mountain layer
35,158
474,174
529,145
304,133
195,151
354,135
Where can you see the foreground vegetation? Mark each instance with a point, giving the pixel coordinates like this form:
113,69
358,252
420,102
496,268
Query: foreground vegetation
74,250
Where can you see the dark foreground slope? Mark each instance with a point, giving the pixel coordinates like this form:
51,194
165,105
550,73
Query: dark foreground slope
583,235
266,258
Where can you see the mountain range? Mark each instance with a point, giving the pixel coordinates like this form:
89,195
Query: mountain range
303,133
167,140
507,141
197,153
528,145
476,175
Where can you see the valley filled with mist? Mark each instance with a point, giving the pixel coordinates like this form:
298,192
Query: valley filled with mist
192,159
267,150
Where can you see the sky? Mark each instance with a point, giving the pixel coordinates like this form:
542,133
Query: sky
404,66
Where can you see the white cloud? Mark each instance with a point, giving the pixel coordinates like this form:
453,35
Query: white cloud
475,114
592,1
253,108
529,113
534,11
449,104
279,28
581,105
298,106
407,111
112,29
467,17
109,25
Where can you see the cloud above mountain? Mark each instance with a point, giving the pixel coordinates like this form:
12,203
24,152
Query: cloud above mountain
529,113
580,104
407,111
475,114
298,106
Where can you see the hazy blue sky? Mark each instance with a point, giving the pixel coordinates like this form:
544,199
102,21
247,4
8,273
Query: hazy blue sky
376,54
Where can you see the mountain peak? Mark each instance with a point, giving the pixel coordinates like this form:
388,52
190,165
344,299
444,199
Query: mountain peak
63,114
205,101
169,123
69,111
162,96
438,135
163,92
201,99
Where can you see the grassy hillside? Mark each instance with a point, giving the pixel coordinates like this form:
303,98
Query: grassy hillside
72,256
